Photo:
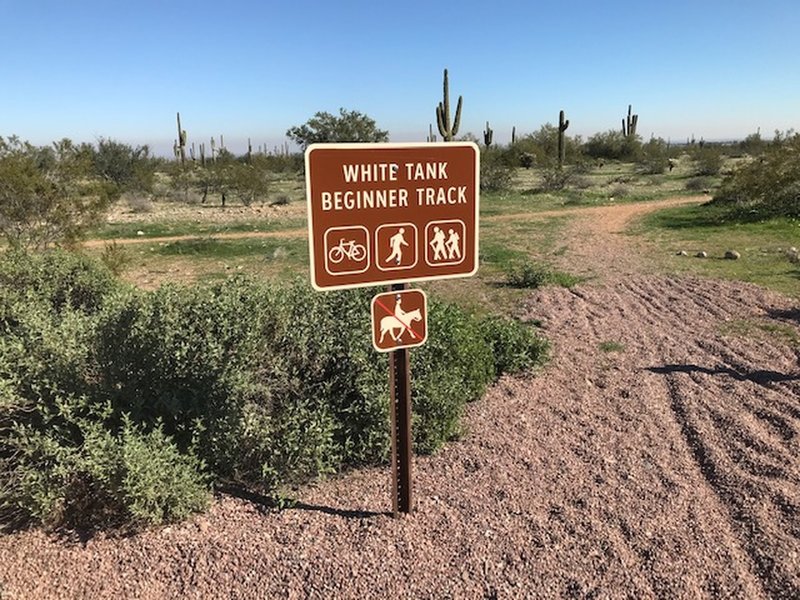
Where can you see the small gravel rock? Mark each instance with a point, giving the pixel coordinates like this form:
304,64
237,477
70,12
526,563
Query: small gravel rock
732,255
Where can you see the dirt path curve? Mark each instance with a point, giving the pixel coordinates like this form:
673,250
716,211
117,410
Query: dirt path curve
656,456
620,213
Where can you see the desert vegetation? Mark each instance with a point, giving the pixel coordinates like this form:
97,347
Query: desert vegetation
127,406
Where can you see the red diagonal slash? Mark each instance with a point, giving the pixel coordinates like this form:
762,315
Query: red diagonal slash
391,314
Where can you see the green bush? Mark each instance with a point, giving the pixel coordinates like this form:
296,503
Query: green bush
77,471
48,195
515,346
654,157
497,174
527,274
707,159
765,187
122,406
59,278
613,145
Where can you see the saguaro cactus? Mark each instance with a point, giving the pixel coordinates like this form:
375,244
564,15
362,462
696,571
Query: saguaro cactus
562,127
431,135
629,125
181,141
487,135
443,114
514,135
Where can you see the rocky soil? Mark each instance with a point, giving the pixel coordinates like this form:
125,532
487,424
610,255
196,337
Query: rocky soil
656,456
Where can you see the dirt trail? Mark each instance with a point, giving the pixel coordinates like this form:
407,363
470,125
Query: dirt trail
656,456
613,214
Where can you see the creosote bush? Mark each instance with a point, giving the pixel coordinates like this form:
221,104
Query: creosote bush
767,186
527,274
123,407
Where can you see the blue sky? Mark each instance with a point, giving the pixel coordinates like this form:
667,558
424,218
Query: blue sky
716,69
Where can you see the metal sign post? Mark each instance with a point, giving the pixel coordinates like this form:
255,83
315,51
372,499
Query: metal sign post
400,389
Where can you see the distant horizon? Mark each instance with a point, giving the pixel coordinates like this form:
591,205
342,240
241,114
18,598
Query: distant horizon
238,146
90,69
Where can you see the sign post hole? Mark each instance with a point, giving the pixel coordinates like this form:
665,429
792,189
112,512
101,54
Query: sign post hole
400,389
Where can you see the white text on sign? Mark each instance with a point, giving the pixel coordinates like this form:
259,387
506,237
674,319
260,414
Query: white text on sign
415,171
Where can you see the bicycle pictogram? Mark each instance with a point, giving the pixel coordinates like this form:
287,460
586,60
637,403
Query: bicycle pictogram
349,249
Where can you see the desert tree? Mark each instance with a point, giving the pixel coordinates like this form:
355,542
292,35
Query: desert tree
348,126
48,196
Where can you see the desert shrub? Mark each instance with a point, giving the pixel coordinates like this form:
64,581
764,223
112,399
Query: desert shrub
115,257
76,471
139,204
613,145
497,175
125,167
527,274
48,196
698,184
554,178
654,157
516,346
122,406
63,458
526,159
765,187
59,278
707,160
449,370
619,191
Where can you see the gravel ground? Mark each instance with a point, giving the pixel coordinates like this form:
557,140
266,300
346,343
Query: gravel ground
662,465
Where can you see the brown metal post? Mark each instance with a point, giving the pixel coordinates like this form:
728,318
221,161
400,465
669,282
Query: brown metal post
400,388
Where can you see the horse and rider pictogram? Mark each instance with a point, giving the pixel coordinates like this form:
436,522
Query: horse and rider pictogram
399,320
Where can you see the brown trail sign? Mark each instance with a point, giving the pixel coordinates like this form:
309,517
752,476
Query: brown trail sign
393,213
390,213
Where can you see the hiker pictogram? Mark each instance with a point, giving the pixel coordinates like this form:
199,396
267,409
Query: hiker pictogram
399,320
346,250
397,241
444,242
396,246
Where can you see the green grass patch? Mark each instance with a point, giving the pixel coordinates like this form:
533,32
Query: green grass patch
291,249
611,346
763,330
527,274
708,228
180,228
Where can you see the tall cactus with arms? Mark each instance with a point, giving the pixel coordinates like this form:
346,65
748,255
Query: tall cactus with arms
443,114
562,127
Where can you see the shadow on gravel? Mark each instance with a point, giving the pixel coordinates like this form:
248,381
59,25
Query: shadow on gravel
792,314
760,377
271,503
